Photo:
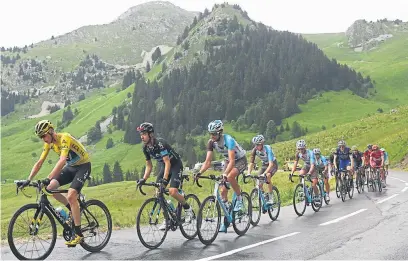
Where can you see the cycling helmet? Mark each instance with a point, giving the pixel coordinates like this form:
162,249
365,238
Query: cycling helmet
375,147
215,126
382,149
369,146
42,127
145,127
333,150
258,139
354,148
301,144
341,143
316,151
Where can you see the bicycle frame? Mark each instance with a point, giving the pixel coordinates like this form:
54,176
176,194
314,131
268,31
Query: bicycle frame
217,194
305,190
259,181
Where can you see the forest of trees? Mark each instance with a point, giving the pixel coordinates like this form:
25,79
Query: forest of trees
10,99
256,76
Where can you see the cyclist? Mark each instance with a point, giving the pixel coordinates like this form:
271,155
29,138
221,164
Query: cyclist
235,161
170,165
386,159
308,159
366,158
345,158
320,164
377,161
358,158
269,163
331,159
73,167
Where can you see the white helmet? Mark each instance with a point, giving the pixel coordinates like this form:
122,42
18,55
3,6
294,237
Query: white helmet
300,144
258,139
382,149
215,126
316,151
341,143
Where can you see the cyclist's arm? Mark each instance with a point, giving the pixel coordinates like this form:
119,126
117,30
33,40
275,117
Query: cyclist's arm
382,159
167,166
37,166
148,169
65,145
335,160
251,161
271,158
231,161
295,163
207,163
326,164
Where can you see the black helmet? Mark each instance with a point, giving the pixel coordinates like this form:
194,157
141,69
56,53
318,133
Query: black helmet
145,127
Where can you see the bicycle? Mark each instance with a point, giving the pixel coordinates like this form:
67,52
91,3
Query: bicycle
260,198
320,183
230,216
45,209
302,190
360,179
173,217
346,184
376,179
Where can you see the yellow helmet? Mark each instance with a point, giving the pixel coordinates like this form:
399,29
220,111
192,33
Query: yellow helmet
42,127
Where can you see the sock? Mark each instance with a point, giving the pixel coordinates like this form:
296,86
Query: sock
78,230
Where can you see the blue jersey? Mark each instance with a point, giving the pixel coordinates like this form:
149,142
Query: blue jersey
308,157
225,144
321,162
266,155
343,155
385,155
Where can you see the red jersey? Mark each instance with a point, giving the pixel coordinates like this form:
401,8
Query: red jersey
366,156
376,157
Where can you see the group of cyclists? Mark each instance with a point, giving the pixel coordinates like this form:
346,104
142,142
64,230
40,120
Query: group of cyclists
74,164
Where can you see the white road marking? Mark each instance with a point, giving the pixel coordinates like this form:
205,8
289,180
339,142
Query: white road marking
398,179
248,247
383,200
343,217
404,189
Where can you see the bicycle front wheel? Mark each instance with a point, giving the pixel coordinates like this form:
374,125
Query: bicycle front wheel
151,215
209,220
33,231
241,220
256,207
274,210
98,225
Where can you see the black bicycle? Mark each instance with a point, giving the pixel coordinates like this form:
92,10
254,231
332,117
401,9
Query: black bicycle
346,184
171,217
360,179
42,219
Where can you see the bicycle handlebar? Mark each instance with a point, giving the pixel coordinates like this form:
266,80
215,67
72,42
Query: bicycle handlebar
261,177
211,176
301,176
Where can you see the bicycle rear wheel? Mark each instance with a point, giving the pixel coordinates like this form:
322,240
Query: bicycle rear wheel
189,230
29,231
150,221
96,226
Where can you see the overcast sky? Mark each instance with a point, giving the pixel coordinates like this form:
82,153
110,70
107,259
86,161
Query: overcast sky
30,21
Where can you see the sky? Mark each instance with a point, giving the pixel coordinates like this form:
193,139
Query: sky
40,19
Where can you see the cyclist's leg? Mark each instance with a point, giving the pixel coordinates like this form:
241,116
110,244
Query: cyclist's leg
260,172
326,182
66,176
82,173
240,167
314,177
175,180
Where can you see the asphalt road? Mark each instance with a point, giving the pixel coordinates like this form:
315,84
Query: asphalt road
372,225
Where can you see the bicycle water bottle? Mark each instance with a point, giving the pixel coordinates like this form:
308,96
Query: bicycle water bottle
170,204
62,213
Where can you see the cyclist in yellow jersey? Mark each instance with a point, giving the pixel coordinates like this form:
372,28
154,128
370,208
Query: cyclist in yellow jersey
72,167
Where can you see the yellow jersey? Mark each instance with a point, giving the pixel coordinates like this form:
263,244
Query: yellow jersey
66,145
